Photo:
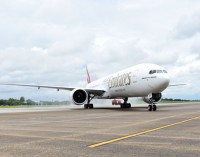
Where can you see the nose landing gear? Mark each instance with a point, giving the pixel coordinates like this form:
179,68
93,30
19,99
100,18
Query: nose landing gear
152,107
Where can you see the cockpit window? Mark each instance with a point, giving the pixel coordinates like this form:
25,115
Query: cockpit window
152,71
157,71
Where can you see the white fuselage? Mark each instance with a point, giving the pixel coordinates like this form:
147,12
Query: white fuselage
137,81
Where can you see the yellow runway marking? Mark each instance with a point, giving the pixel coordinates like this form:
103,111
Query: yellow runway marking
140,133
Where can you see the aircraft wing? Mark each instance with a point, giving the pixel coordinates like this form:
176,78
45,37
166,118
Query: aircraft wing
90,91
172,85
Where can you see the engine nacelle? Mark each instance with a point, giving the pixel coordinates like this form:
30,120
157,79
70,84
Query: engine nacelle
79,96
153,98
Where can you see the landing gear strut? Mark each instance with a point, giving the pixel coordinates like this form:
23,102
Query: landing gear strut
152,107
88,105
125,104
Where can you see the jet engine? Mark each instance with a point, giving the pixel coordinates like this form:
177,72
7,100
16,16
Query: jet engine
79,96
153,98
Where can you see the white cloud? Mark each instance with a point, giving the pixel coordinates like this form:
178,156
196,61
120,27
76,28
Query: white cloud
50,42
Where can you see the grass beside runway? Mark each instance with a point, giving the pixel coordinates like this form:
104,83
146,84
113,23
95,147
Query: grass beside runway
23,106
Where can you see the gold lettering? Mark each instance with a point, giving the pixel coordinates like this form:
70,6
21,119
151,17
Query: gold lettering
119,80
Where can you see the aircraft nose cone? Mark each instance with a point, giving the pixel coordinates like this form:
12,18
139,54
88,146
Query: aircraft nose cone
164,81
161,83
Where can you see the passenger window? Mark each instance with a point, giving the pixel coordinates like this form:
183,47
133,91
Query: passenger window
164,71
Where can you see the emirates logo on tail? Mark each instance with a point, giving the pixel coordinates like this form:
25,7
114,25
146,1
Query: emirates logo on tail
88,76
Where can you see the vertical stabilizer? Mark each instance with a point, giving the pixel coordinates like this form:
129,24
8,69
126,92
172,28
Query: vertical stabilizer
88,76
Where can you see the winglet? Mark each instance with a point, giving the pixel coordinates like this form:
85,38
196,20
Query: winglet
88,76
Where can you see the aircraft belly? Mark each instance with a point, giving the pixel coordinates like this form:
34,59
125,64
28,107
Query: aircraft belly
118,92
130,91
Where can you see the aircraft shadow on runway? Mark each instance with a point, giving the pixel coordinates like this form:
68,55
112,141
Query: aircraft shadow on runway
161,108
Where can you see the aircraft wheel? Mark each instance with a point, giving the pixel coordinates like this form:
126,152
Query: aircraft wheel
86,106
123,105
128,105
150,108
90,106
154,107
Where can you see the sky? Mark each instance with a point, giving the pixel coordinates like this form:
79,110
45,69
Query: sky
50,42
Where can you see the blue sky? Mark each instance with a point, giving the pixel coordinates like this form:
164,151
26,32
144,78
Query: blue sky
50,42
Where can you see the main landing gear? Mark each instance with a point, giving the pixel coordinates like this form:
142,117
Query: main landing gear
88,105
152,107
125,104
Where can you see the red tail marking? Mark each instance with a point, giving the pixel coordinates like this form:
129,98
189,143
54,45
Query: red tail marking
88,76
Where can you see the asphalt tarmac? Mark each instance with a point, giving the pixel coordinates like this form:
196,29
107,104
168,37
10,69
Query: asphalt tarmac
173,130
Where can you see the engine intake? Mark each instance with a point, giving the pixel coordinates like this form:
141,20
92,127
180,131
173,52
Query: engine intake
79,96
153,98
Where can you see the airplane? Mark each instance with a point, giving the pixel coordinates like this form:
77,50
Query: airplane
143,80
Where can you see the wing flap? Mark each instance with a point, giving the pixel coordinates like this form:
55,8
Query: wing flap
96,92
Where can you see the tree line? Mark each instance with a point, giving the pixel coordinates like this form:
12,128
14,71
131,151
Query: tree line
22,101
16,102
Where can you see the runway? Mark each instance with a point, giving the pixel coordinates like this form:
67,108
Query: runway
173,130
